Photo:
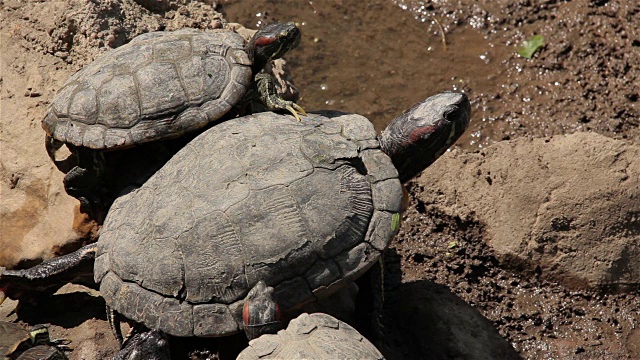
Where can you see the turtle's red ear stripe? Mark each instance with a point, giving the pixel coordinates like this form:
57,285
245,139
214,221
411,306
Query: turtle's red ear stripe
265,40
278,314
245,313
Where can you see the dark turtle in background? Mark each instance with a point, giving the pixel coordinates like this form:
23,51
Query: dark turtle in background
256,216
313,337
21,344
42,352
161,85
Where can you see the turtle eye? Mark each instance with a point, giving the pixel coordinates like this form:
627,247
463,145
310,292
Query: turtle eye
452,113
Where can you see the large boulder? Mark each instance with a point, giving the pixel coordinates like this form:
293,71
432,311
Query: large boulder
567,208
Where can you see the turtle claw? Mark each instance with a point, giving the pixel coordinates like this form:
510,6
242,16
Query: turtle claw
295,109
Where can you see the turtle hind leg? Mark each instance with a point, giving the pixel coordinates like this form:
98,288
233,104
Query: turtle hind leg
261,314
144,344
85,182
49,276
266,89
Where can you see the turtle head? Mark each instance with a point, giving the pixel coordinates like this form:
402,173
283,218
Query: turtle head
417,138
39,335
272,42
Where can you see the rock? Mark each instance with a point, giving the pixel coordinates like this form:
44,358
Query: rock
567,207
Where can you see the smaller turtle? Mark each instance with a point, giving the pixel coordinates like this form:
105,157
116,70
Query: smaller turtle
19,343
162,85
43,352
312,336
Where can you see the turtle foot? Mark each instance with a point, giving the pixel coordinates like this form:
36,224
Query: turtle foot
272,100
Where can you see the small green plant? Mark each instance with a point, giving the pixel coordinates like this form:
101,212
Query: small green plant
530,46
452,244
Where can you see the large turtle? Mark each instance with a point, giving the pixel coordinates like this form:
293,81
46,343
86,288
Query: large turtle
19,343
312,336
305,207
159,86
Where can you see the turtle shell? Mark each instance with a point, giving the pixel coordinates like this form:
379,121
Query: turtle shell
159,86
42,352
13,337
312,336
304,206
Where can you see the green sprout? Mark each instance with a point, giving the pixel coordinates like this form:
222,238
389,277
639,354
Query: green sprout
529,47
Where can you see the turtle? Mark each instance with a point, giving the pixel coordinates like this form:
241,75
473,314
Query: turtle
18,343
255,218
161,85
312,336
42,352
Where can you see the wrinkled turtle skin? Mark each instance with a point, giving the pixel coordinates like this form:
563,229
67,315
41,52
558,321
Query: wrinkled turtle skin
314,337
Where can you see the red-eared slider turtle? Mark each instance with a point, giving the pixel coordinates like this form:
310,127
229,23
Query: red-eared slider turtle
312,336
160,86
305,207
42,352
19,343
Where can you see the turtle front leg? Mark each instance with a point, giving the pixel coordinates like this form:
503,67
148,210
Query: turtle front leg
49,276
266,85
85,181
261,314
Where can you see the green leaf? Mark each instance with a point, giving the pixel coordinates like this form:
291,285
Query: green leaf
529,47
395,222
452,244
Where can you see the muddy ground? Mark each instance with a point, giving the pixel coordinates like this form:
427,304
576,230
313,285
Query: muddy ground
379,57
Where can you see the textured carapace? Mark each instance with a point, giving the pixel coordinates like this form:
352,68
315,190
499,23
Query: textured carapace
313,337
306,207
